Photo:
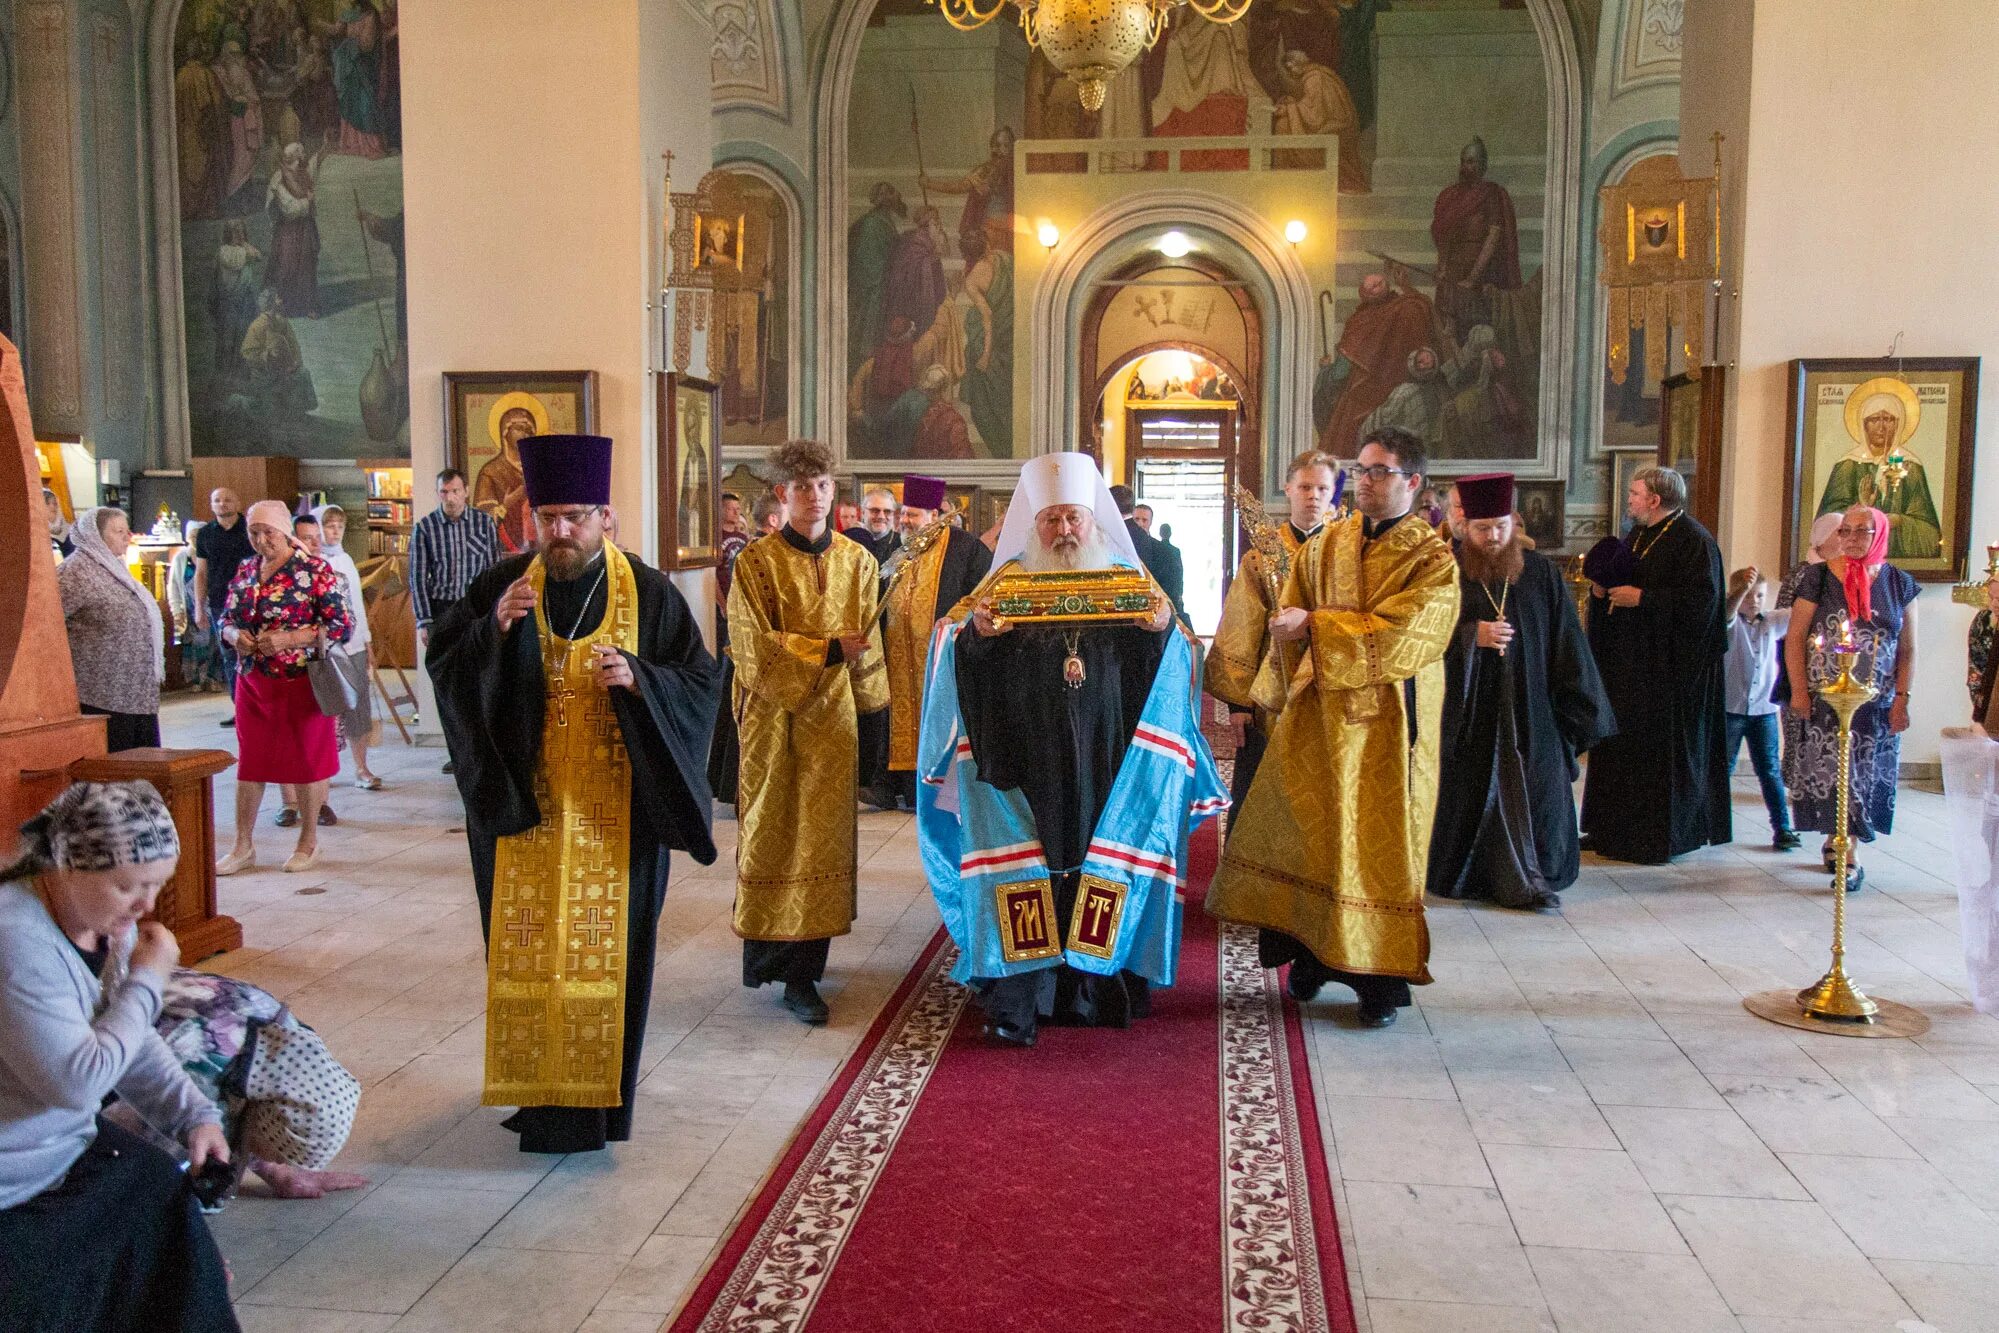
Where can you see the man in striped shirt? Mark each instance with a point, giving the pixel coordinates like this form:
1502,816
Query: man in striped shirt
451,545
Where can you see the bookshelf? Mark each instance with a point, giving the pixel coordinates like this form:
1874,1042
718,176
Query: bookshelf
389,515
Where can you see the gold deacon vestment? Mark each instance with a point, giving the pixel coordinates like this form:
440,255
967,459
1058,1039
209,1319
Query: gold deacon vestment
1331,845
555,969
912,603
1241,670
796,855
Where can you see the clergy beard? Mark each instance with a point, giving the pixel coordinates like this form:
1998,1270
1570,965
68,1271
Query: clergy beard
567,560
1503,567
1090,553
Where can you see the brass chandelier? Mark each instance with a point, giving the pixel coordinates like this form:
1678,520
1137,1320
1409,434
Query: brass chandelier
1091,41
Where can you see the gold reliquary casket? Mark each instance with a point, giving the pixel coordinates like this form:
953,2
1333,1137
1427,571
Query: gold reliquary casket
1114,596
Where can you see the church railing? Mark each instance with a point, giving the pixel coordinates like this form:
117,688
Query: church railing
1317,154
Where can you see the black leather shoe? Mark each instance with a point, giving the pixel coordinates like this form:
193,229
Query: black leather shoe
1855,877
449,767
1006,1034
1303,985
1383,1017
802,998
1787,841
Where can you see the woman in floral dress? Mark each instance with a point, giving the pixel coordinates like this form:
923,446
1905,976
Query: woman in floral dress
282,606
1860,591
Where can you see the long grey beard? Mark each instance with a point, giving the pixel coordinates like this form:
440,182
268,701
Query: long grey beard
1093,553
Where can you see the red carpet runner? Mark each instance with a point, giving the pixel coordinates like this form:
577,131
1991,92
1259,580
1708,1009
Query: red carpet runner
1168,1177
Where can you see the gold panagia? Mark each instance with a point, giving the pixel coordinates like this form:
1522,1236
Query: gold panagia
1331,842
555,966
1241,668
795,715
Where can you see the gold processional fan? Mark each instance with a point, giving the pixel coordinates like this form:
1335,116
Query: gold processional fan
1091,41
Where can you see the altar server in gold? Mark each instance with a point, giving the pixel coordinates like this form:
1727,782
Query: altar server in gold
580,702
947,570
1241,669
808,662
1328,851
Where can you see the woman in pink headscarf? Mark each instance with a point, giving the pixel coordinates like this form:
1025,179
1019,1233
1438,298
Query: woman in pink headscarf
1854,598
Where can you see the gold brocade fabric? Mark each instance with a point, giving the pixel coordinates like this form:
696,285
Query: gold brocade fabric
1241,668
1331,843
795,716
912,603
555,966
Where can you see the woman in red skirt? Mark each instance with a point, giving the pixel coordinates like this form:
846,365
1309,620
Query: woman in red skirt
282,604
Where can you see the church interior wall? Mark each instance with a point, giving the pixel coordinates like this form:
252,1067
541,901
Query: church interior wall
1858,208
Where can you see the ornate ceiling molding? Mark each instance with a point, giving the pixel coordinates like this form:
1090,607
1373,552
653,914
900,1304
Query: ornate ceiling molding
746,62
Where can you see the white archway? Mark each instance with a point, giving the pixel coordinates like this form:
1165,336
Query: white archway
1562,220
1238,238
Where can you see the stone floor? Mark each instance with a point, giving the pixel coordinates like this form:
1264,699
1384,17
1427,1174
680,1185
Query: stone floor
1578,1129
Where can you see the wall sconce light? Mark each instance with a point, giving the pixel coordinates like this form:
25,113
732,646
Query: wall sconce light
1175,245
1294,231
1048,234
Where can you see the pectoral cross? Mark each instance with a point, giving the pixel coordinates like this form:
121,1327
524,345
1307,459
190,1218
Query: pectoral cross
561,696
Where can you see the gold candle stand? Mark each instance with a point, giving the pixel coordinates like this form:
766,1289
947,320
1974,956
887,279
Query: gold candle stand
1834,1003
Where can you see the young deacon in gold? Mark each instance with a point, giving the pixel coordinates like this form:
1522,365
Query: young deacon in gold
808,663
1241,669
1328,850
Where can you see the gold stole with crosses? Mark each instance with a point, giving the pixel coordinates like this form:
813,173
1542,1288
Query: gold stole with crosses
555,966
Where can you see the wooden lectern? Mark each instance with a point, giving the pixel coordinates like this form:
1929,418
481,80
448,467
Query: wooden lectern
45,742
41,730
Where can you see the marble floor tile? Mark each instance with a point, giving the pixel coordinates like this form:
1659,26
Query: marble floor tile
604,1202
1954,1298
1899,1210
1405,1140
1810,1115
1589,1291
654,1279
279,1319
403,1239
1683,1151
1782,1258
495,1290
1438,1243
1545,1108
1580,1198
1638,1073
1437,1317
1966,1152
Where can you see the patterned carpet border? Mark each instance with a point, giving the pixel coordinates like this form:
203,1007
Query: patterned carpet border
770,1272
1280,1247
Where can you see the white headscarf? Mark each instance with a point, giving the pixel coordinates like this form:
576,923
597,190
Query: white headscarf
1823,527
1062,479
89,543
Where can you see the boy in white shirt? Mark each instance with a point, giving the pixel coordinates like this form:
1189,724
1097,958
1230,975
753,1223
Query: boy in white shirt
1749,676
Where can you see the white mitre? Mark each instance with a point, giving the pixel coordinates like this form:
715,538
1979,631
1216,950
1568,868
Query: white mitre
1062,479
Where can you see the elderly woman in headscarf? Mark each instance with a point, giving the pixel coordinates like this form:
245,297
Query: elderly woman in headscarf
358,722
282,606
1854,600
117,640
99,1229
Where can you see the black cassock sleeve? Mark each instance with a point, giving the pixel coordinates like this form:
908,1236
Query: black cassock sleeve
492,698
1575,691
668,719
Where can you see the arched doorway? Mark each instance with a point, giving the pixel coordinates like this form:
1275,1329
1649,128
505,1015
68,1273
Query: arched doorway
1171,364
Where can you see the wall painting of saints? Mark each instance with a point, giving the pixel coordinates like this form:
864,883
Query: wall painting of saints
689,472
486,415
288,166
1894,433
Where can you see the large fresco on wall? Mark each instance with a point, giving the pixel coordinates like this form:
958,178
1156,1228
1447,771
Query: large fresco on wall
1439,114
930,238
288,139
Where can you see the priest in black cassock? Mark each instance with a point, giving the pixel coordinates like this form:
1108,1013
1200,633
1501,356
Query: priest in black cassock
1521,700
1049,712
1659,627
582,703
